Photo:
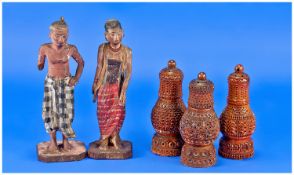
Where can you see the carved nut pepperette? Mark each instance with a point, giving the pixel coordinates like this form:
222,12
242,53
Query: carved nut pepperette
199,126
237,122
167,112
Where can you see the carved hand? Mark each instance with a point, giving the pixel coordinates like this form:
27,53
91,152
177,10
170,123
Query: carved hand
72,81
93,88
94,92
122,97
40,66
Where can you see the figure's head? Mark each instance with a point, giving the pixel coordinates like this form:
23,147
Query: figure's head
113,31
59,32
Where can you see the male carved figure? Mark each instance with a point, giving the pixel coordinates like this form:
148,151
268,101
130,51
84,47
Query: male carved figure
110,84
58,107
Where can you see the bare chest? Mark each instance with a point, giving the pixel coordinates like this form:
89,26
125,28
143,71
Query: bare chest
55,57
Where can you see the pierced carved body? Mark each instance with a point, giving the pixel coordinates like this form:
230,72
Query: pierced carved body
167,112
237,121
199,125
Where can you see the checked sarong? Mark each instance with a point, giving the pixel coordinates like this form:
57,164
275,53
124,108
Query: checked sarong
58,108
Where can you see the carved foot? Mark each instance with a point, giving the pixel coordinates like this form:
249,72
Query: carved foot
115,140
52,148
66,145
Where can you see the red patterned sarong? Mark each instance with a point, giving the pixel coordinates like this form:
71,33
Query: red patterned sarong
110,111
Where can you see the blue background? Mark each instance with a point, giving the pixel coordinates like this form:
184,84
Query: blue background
210,37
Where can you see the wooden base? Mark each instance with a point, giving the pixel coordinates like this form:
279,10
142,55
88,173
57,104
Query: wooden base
111,153
236,149
198,157
167,145
77,152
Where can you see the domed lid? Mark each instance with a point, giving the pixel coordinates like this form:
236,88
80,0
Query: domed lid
171,72
239,74
201,84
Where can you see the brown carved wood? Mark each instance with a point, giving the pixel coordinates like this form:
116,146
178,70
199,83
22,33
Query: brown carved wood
167,112
237,121
199,126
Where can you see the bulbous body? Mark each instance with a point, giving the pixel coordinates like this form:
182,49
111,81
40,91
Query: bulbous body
237,121
199,126
167,112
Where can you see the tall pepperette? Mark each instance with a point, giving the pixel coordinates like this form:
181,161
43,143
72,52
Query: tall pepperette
237,121
167,112
199,126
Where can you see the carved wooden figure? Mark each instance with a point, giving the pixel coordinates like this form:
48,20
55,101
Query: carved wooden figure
199,125
109,88
167,112
237,122
58,101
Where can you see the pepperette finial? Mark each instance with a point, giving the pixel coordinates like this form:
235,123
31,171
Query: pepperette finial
202,76
171,64
239,68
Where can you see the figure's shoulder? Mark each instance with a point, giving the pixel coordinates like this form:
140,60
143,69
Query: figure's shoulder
45,46
101,46
72,47
127,49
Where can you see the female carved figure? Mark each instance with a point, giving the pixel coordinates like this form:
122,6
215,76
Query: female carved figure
58,107
110,84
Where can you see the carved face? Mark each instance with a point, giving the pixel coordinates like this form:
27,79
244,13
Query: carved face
59,37
114,36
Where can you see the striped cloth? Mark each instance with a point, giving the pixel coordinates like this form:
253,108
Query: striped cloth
110,111
58,109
